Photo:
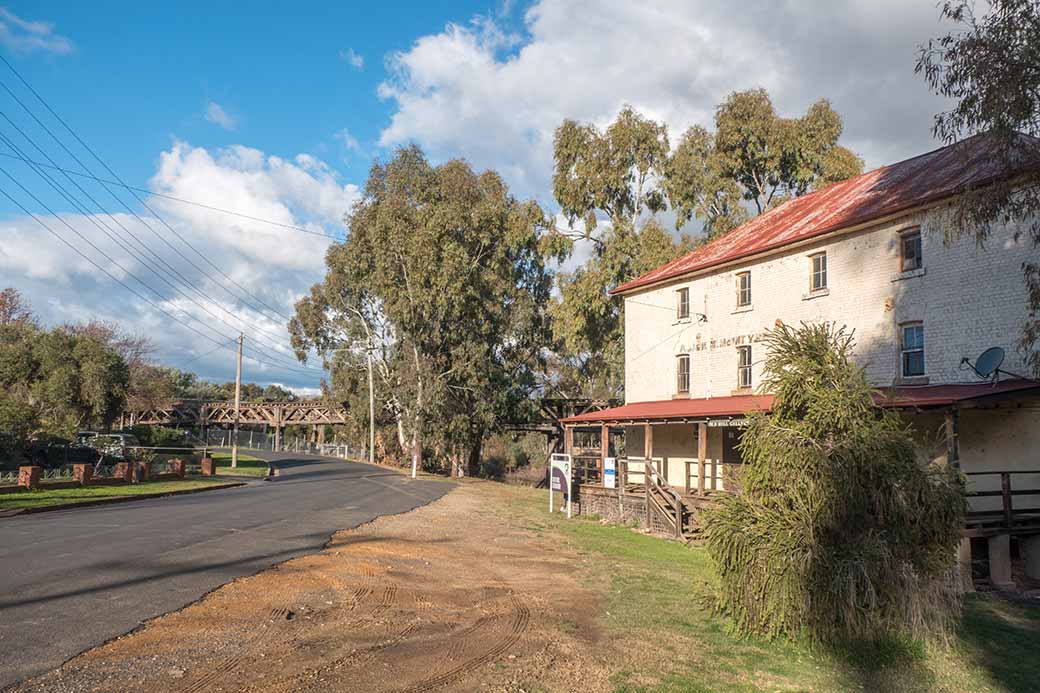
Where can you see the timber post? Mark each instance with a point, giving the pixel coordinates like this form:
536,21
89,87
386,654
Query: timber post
702,455
952,426
604,449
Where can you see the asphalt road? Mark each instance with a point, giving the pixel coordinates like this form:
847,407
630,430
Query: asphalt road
73,579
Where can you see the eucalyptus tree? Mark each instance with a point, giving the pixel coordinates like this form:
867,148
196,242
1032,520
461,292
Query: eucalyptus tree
990,67
627,174
441,280
754,161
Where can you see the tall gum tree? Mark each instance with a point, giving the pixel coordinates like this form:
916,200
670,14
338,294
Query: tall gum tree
627,173
442,281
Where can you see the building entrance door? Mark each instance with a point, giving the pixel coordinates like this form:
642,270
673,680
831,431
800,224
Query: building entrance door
730,438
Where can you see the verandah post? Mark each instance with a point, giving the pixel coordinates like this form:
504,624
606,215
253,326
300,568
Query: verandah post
604,449
702,455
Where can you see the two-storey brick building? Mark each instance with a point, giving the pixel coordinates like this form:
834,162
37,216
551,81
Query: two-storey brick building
870,253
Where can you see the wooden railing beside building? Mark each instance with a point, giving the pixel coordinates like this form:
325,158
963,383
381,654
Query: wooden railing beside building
1010,517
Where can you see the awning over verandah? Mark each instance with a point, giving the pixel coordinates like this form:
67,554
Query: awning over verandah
734,406
731,410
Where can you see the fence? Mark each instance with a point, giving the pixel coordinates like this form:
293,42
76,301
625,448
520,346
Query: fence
259,440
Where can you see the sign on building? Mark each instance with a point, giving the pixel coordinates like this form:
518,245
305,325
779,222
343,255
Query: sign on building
560,479
609,472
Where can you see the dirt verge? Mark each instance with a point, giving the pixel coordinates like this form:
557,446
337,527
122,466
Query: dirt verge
447,597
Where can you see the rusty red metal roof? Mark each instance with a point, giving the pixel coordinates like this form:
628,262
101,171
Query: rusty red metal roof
888,190
919,396
946,395
734,405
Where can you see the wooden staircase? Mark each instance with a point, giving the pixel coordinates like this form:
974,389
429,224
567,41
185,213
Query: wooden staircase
666,508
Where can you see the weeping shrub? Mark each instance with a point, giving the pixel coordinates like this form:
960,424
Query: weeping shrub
839,532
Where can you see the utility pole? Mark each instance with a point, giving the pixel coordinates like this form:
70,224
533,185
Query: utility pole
371,411
238,401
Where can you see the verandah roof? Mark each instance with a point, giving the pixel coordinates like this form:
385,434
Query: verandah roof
679,410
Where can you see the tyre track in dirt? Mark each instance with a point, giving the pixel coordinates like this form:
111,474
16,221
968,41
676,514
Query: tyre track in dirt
521,618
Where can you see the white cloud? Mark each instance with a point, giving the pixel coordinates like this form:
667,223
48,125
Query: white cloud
356,60
350,142
24,36
274,265
215,113
474,91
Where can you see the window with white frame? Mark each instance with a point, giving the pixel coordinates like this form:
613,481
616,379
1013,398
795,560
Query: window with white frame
744,367
743,289
682,304
910,257
912,349
818,269
682,374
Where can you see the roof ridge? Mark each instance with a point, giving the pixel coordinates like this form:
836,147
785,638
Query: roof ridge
900,193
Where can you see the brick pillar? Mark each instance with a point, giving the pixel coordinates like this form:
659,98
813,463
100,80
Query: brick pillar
964,565
209,468
29,477
1031,554
82,473
122,470
178,467
143,471
1000,562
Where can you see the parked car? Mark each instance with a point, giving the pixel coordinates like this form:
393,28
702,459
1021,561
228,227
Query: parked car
116,446
55,452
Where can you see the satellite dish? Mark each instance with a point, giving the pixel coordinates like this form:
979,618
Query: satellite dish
988,364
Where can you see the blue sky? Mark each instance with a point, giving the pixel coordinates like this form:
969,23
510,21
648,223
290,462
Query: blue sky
278,113
141,74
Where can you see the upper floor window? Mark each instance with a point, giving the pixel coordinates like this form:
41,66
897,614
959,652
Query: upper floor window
910,250
818,278
744,366
912,349
743,289
682,373
682,304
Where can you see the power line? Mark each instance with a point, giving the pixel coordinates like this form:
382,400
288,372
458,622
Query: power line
137,197
291,227
204,355
114,236
113,277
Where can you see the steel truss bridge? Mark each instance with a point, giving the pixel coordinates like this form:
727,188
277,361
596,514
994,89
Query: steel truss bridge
317,413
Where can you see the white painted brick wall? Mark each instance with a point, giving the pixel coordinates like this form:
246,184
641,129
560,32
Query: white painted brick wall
969,298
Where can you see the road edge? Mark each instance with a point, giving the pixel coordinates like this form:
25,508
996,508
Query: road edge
119,499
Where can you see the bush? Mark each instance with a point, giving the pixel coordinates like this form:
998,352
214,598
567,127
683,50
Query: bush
839,532
17,422
158,436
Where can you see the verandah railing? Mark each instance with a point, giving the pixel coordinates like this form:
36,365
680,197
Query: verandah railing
1011,516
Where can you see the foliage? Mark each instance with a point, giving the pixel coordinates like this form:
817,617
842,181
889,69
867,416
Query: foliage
628,171
158,436
990,67
442,281
617,172
839,532
55,381
588,323
754,156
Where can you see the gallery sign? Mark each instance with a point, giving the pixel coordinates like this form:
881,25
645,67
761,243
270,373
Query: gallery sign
560,479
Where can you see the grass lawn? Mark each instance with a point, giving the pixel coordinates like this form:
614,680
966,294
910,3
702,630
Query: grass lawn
247,466
657,613
43,497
